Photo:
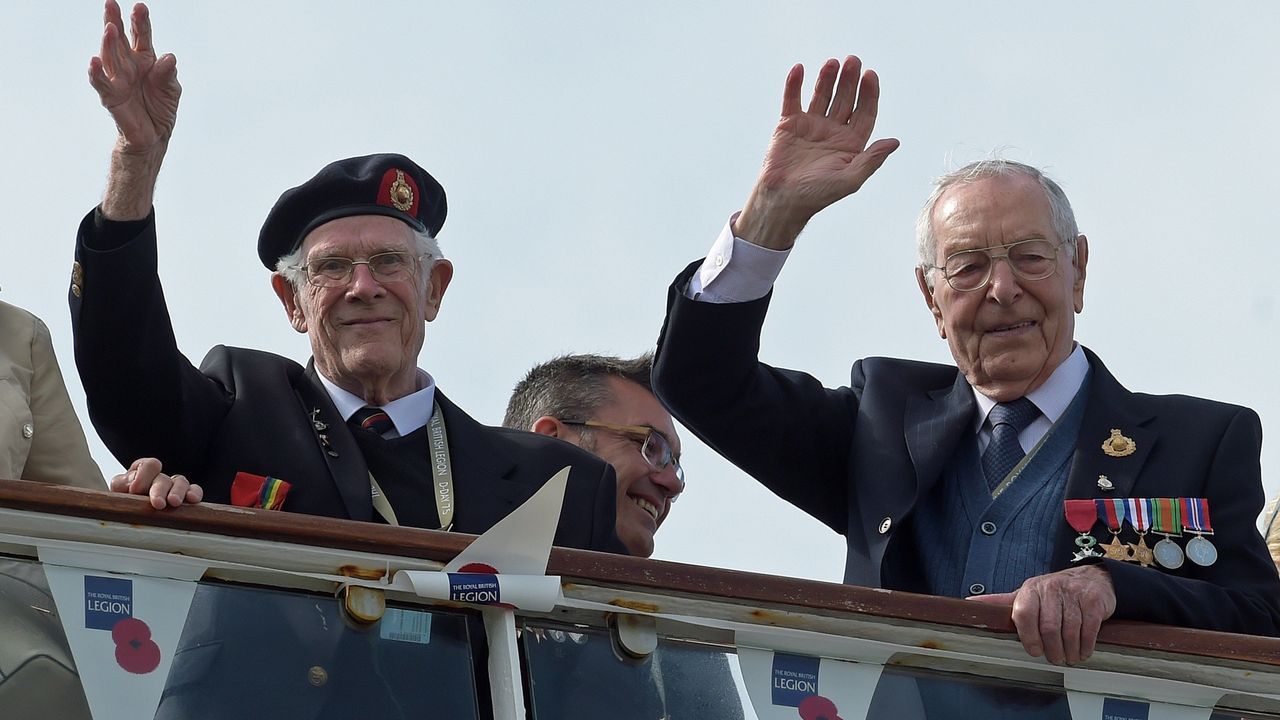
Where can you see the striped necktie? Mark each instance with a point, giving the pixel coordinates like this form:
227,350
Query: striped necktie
373,419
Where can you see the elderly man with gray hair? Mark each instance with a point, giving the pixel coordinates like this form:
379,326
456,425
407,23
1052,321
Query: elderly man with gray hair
997,478
360,431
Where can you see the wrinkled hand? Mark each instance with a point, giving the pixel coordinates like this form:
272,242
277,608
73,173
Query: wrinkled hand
140,90
1058,615
818,155
144,478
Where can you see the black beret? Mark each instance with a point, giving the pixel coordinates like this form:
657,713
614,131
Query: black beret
386,184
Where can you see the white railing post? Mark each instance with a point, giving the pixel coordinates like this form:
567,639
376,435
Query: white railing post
505,684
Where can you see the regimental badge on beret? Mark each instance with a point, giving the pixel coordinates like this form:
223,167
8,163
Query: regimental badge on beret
401,193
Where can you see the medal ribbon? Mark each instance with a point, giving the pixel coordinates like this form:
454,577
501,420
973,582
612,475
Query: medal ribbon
1167,518
1195,514
1111,512
1080,515
1139,514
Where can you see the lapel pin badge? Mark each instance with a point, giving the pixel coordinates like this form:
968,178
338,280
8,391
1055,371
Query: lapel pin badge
1105,484
320,427
1118,445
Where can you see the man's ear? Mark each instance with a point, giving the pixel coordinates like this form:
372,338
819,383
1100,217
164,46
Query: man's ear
929,301
288,297
547,425
1081,260
438,281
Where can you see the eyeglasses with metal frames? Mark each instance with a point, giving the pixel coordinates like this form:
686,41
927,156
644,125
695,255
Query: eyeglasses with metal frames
970,270
337,271
656,449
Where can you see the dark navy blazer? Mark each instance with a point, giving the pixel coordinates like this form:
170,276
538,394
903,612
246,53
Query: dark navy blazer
251,411
859,458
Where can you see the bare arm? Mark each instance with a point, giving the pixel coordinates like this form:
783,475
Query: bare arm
817,156
141,92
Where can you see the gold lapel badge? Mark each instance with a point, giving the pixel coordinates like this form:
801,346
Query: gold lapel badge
1118,445
1105,484
401,193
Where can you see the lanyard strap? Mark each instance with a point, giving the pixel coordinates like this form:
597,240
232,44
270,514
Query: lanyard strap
1017,469
441,476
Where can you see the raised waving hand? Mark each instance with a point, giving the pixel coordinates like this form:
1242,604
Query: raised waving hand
818,154
141,92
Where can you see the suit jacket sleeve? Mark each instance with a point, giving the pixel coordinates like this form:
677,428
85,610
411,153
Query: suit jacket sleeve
42,435
145,398
707,372
604,526
1241,591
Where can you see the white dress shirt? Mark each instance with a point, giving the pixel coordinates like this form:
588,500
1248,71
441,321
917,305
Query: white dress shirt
407,413
1051,398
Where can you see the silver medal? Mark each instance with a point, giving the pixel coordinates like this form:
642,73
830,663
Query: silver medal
1168,554
1087,544
1201,551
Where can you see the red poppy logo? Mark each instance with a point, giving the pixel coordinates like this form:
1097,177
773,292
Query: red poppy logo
135,650
816,707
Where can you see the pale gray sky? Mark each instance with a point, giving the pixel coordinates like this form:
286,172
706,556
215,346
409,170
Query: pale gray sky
590,150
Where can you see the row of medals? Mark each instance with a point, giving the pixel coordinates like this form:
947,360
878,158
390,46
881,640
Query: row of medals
1166,552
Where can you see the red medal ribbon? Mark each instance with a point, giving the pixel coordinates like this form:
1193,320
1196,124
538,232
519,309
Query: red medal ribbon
1195,513
1080,515
1111,512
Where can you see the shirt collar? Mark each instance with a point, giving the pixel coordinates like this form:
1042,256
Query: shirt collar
1051,398
407,413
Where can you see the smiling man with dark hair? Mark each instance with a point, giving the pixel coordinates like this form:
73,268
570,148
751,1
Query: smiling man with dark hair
605,405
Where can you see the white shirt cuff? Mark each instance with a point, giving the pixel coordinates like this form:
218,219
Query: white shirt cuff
735,270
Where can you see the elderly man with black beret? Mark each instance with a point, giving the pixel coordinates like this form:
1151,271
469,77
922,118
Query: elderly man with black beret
361,431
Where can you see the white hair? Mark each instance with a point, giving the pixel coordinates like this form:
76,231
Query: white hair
1061,216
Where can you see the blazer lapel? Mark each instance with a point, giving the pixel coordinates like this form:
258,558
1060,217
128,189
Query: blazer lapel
477,462
341,453
1110,407
933,425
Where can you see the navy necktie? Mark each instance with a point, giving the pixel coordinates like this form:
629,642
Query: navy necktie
1008,420
372,419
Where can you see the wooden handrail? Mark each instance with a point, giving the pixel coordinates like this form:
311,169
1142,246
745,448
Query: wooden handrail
656,576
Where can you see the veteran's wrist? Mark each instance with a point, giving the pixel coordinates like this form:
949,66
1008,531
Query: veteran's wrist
131,181
769,220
